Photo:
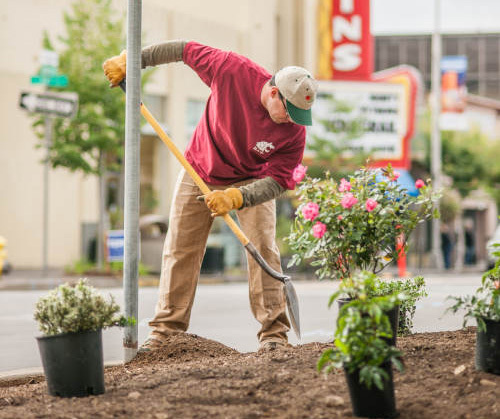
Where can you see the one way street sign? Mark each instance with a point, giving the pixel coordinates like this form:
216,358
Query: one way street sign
63,105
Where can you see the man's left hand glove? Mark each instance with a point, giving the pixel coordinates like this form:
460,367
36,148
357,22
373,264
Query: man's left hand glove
115,68
221,202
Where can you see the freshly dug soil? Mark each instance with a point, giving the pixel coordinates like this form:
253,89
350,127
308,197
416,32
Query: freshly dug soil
193,377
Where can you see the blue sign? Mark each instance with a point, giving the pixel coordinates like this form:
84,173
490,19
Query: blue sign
115,245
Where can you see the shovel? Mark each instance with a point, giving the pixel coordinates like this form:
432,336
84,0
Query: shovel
291,296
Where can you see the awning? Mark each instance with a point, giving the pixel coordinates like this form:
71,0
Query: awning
405,181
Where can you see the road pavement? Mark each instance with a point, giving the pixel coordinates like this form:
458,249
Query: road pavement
221,312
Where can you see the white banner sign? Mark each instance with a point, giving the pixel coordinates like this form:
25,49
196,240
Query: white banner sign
378,108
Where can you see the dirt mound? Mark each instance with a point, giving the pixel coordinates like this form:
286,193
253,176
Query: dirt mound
193,377
183,347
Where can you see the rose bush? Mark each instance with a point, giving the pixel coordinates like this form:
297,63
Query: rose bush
352,225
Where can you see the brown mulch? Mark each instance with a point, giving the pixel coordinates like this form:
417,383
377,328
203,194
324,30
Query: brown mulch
193,377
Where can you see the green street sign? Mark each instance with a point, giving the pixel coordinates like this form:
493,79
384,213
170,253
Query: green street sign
60,80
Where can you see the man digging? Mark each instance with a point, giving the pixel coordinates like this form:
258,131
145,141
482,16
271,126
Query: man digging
245,147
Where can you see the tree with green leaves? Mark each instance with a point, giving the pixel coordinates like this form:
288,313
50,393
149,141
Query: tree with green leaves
92,142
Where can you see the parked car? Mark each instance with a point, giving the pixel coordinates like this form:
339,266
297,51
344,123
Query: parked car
491,249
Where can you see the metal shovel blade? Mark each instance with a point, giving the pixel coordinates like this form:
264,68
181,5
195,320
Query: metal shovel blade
292,303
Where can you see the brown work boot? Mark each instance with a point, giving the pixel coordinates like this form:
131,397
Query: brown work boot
268,346
150,344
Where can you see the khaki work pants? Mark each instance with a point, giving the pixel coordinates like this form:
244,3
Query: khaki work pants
183,251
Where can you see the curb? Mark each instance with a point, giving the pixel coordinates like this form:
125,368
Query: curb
25,375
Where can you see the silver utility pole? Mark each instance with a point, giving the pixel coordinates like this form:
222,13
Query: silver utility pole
132,175
435,130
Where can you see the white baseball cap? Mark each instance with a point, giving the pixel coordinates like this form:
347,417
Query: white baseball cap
298,87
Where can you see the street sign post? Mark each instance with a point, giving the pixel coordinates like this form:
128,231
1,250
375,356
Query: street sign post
52,105
63,105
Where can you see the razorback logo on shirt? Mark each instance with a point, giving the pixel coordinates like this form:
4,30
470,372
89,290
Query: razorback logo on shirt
263,148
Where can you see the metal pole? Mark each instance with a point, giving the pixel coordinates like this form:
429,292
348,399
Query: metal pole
49,121
132,174
435,130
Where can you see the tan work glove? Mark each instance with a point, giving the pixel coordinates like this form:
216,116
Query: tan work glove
221,202
115,68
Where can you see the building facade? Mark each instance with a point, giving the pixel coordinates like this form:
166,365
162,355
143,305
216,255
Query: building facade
269,32
482,52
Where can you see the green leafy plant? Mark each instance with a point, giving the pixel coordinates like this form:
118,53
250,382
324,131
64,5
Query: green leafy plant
85,267
79,308
485,302
361,338
367,284
352,225
79,267
413,289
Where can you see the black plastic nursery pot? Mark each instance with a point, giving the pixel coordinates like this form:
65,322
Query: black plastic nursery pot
488,348
393,315
73,363
372,402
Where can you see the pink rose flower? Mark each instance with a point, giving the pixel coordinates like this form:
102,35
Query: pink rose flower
395,176
298,173
419,184
339,217
370,204
319,230
310,211
348,200
344,186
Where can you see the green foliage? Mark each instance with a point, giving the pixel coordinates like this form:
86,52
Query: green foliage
469,158
117,268
80,267
449,206
413,289
485,302
81,308
85,267
94,32
363,329
355,238
464,160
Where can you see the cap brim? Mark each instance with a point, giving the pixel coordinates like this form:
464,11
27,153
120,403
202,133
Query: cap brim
298,115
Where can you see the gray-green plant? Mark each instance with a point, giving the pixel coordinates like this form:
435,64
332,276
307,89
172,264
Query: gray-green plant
361,338
414,290
485,302
368,284
78,308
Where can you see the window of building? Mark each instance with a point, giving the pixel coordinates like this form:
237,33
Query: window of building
156,105
492,55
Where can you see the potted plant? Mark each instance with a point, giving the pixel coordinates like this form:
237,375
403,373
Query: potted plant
365,284
352,225
363,350
71,320
484,307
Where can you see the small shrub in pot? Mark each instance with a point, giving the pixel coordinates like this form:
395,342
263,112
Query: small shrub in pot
71,319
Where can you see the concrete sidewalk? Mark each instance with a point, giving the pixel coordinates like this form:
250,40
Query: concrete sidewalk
26,279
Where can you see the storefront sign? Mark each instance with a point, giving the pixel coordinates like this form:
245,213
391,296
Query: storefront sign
379,109
345,42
